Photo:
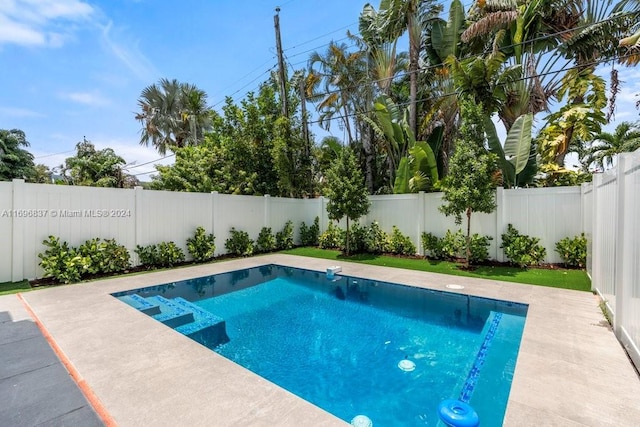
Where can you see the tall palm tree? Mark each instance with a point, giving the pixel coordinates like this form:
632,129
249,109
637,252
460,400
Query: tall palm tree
606,146
397,17
173,114
341,74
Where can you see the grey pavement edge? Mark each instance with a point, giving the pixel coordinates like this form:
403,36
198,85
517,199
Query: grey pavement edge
35,387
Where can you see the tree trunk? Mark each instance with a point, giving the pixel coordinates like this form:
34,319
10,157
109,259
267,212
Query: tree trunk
414,53
347,239
468,238
369,160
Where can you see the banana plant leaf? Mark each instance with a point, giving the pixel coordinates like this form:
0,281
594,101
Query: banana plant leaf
517,146
508,170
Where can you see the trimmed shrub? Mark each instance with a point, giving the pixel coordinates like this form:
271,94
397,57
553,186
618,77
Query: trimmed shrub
357,238
332,238
309,235
239,243
573,251
453,245
148,255
265,242
61,261
284,238
376,239
169,254
201,246
400,244
520,249
431,245
479,248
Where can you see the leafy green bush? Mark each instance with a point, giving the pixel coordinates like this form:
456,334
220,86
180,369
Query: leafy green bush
573,251
332,238
163,254
453,245
521,249
93,254
284,238
148,255
431,245
357,238
265,242
169,254
105,256
61,261
239,243
201,246
479,248
376,239
400,244
309,235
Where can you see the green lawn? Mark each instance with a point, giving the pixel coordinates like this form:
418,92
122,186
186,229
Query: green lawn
566,279
14,287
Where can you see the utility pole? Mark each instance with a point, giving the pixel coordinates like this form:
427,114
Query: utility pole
305,130
281,69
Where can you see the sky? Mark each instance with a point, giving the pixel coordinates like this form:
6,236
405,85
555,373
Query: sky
74,69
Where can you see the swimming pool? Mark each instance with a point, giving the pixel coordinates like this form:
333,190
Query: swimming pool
351,346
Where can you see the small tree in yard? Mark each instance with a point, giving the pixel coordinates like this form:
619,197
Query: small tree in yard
469,187
346,191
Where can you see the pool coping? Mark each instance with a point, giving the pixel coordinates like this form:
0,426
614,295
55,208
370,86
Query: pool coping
571,370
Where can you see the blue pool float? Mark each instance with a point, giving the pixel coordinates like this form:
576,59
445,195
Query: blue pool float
455,413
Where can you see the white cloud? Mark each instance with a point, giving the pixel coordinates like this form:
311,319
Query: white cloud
93,99
128,53
40,22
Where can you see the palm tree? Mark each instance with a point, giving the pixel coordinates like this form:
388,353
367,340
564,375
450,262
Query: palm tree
397,17
341,74
606,146
173,114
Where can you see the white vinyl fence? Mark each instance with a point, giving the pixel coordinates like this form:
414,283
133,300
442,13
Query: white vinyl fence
612,227
29,213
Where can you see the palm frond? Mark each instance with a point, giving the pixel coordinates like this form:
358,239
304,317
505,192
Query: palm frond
488,24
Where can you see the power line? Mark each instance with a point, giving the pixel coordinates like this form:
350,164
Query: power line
446,95
152,161
473,55
54,154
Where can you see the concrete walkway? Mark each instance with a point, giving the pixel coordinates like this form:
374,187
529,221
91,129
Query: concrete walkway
571,371
35,388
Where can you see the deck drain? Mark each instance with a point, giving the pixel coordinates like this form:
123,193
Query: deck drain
361,421
406,365
454,286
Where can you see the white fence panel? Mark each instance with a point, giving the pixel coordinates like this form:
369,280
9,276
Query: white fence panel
587,223
72,214
615,255
142,217
604,236
168,216
245,213
401,210
6,231
282,210
628,269
550,214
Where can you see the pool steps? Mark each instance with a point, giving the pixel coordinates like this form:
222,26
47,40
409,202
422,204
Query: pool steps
183,316
171,314
141,304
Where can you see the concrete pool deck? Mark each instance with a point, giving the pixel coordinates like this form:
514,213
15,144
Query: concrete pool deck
571,370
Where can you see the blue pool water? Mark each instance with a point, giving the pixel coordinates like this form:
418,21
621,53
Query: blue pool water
338,344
